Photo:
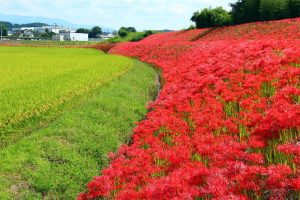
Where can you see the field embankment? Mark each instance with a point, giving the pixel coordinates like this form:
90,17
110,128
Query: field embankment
226,124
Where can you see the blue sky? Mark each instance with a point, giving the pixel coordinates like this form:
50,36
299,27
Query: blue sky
142,14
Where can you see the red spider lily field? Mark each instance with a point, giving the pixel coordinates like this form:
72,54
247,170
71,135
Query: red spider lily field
226,123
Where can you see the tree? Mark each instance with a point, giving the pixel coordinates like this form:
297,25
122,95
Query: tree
244,11
236,12
95,31
8,25
131,29
147,33
294,8
274,9
209,17
4,29
123,31
47,34
83,30
36,34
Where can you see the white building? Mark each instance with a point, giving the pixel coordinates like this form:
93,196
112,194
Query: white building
71,37
22,30
40,29
54,29
108,36
27,33
9,33
58,29
58,37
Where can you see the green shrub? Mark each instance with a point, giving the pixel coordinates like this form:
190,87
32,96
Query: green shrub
209,17
130,36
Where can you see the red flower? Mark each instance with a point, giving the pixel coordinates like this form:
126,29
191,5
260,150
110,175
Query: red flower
229,106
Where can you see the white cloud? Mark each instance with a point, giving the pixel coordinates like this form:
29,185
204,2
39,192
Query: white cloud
178,9
143,14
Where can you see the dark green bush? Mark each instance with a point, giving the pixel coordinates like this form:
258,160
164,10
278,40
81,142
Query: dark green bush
209,17
244,11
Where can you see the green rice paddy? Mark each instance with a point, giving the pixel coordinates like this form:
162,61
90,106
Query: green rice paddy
62,111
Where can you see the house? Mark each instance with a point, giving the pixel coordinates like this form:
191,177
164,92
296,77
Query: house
69,36
58,37
58,29
43,29
9,33
40,30
18,31
106,36
27,33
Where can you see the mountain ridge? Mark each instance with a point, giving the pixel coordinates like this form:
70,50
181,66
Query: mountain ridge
18,19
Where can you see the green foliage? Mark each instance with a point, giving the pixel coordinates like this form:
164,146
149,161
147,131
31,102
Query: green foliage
148,33
273,9
46,35
128,29
231,108
124,31
267,89
294,8
131,29
209,17
58,158
137,36
271,153
34,24
244,11
95,32
199,158
83,30
4,29
10,26
131,36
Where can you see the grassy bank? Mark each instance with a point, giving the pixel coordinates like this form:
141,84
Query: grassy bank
57,159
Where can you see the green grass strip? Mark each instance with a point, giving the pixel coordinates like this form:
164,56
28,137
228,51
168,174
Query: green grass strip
57,159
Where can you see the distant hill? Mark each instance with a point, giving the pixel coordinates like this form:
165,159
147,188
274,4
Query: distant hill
17,19
10,25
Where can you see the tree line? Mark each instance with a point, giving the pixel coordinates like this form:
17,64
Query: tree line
10,26
244,11
93,33
5,26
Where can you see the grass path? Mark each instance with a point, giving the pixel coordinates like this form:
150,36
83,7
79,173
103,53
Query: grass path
69,146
